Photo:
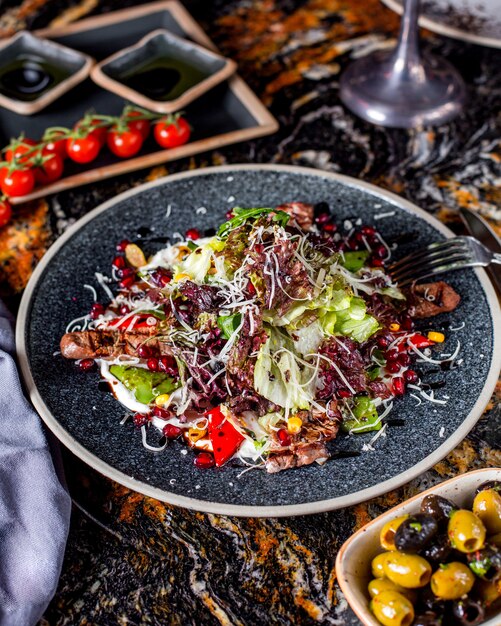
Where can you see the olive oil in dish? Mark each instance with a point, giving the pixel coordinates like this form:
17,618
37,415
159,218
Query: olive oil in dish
162,78
28,76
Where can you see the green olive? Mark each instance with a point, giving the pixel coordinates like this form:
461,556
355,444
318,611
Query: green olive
408,570
392,609
387,534
378,585
487,506
451,581
377,565
466,531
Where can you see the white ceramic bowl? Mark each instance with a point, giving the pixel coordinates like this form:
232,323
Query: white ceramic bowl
353,560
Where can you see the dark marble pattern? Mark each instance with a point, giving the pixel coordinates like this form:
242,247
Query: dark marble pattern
160,565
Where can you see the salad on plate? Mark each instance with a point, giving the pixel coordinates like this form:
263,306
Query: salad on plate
259,344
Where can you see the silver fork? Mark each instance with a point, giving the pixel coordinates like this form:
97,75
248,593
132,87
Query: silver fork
444,256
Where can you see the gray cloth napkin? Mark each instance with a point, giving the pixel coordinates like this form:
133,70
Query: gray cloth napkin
34,506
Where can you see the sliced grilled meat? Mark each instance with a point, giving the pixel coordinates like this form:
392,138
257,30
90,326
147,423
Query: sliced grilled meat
431,299
95,344
302,455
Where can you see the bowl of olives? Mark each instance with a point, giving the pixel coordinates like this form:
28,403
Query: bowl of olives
434,560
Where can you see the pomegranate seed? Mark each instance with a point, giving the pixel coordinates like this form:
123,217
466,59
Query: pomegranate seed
127,282
96,310
391,355
164,280
229,215
140,419
124,309
393,367
162,413
122,245
379,252
404,359
86,365
359,237
259,248
193,234
283,437
118,262
251,289
410,376
398,386
171,431
204,460
344,393
377,262
144,352
168,365
330,227
407,323
152,364
382,342
322,218
368,231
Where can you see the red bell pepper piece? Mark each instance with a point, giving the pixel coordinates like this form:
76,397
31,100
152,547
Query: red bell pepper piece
224,437
417,340
139,323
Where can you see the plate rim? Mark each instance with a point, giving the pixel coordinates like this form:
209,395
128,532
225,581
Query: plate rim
239,510
448,31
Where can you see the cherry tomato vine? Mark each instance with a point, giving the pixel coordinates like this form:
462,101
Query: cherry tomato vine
28,163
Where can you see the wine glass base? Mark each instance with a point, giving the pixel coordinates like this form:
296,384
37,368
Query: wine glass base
380,89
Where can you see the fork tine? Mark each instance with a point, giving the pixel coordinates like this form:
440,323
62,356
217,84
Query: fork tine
426,273
430,251
412,269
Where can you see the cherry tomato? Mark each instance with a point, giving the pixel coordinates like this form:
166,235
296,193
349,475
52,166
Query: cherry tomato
55,146
83,150
98,133
5,212
143,126
49,171
17,183
172,134
125,144
17,149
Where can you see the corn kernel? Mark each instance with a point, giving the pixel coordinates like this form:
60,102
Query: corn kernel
162,399
181,276
394,327
134,255
294,424
436,337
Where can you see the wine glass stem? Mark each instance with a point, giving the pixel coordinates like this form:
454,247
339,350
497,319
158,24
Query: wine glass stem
406,55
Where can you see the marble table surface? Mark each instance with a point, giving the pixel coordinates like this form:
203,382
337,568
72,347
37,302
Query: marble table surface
134,560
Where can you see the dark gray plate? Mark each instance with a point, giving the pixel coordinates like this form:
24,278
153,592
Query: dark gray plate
87,421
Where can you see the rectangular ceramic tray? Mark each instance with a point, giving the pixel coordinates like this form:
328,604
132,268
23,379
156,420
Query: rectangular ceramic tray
228,114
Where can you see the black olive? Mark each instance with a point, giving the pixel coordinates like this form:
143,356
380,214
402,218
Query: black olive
438,550
486,563
489,484
430,618
415,533
440,508
468,612
430,603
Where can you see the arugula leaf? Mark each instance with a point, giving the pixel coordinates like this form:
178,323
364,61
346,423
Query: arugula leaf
241,215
